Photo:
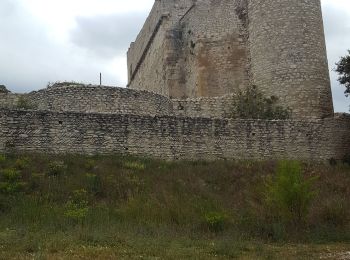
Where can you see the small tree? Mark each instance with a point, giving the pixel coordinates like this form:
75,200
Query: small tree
288,195
3,89
252,104
343,69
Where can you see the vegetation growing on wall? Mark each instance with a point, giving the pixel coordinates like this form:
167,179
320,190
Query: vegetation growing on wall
64,84
252,104
24,103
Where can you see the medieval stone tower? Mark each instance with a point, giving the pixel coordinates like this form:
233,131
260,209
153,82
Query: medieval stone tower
211,48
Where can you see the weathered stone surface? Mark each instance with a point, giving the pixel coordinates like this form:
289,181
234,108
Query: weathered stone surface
173,137
93,99
210,48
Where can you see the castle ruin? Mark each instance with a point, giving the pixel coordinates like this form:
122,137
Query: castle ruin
207,48
187,64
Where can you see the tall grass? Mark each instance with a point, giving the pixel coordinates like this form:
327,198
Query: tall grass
111,200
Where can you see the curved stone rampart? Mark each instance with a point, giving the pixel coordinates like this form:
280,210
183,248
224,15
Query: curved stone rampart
96,99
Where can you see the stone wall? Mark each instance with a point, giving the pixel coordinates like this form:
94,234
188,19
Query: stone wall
9,100
213,55
215,107
148,57
92,99
151,75
288,54
138,47
172,137
190,52
95,99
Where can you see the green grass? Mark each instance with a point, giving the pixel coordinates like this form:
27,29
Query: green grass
105,207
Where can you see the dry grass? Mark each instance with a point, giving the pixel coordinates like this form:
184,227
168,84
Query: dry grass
111,207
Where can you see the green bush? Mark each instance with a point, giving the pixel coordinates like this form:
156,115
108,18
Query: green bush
56,169
3,89
78,206
251,104
215,221
24,103
22,163
10,181
10,175
134,165
90,164
288,196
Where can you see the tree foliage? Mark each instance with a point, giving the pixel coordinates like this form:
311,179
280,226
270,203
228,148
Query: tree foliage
288,196
3,89
252,104
343,69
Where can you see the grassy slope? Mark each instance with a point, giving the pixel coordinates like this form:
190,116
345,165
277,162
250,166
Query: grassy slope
123,207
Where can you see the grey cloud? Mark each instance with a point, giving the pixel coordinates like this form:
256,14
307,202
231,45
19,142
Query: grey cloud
337,30
107,36
30,58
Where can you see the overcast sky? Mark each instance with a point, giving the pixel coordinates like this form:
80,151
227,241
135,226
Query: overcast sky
45,41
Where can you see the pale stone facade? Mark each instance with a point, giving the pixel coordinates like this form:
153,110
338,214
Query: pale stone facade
93,119
210,48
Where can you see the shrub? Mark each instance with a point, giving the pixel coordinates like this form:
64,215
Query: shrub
90,164
215,221
134,165
24,103
10,181
77,207
22,163
3,89
10,175
63,84
251,104
288,196
56,169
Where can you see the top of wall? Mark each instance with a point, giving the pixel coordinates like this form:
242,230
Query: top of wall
113,100
90,99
